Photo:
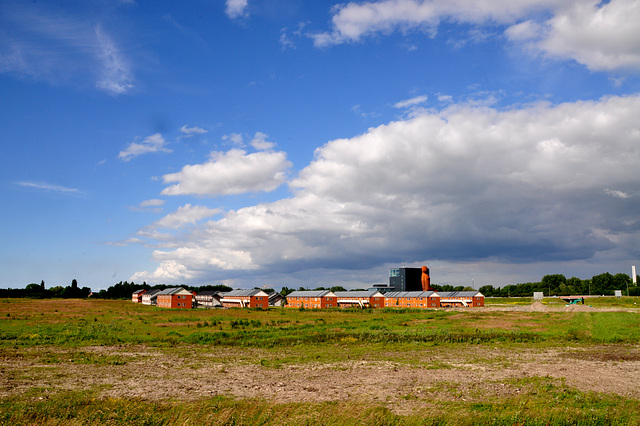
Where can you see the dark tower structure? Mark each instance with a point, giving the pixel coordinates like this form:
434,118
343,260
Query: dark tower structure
405,279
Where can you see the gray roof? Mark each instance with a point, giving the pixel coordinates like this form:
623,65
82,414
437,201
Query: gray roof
459,293
250,292
368,293
413,294
311,293
171,290
153,292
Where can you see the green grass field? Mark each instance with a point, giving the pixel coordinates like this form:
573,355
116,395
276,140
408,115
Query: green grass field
105,342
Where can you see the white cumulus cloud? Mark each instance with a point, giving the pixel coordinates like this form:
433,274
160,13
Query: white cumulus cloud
602,36
260,142
353,21
231,172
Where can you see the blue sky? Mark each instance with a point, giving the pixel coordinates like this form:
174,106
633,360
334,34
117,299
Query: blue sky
293,143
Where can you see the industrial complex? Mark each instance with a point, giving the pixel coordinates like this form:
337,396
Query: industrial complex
407,288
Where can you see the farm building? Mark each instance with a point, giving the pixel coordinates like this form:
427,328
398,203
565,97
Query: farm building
136,297
275,299
314,299
461,299
175,298
412,299
150,297
254,298
209,299
362,299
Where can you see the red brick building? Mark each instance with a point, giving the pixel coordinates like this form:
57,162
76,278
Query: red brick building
313,299
412,299
175,298
434,299
136,297
362,299
466,299
254,298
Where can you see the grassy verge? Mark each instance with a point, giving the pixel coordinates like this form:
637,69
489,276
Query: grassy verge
539,401
30,323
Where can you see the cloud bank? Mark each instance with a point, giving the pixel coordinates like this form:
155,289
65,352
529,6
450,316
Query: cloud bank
599,35
467,183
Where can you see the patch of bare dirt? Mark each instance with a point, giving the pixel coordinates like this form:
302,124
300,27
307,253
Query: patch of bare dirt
579,308
438,374
611,355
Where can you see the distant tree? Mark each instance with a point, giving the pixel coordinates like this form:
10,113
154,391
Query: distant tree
56,291
32,288
552,282
337,288
218,287
602,284
575,286
74,284
34,291
42,285
442,287
621,282
487,290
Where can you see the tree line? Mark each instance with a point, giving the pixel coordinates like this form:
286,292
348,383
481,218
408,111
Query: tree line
124,290
38,291
558,285
551,285
121,290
